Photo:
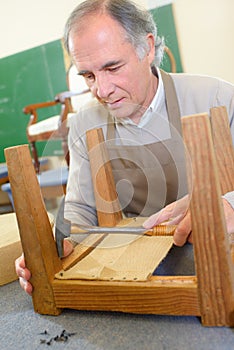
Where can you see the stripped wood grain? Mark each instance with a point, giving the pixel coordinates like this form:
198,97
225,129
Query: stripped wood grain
214,267
40,253
161,295
223,146
107,204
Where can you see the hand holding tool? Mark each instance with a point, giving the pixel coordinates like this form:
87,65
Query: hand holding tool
64,229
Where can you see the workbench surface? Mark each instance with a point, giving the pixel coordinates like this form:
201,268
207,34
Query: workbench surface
21,328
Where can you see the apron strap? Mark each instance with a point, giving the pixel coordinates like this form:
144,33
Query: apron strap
172,104
110,133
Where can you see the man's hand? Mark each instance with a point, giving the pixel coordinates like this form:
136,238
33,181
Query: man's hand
24,274
177,213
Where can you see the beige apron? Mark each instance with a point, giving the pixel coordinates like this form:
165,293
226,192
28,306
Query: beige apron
155,179
148,177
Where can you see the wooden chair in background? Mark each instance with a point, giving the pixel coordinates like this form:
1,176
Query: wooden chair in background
54,127
171,58
3,174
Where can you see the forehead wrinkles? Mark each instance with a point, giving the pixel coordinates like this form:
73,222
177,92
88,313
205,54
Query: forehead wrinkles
102,31
93,59
96,49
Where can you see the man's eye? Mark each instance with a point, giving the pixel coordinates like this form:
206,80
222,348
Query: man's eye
113,69
89,76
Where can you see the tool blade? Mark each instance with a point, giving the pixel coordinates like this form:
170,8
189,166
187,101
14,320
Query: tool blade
62,228
79,229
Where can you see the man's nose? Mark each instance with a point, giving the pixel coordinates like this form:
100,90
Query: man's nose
104,87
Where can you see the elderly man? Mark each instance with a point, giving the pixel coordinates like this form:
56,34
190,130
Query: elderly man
115,47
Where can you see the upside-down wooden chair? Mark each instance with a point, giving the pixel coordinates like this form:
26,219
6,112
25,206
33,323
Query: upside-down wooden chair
209,294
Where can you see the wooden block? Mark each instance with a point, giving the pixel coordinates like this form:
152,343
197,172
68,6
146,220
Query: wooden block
10,247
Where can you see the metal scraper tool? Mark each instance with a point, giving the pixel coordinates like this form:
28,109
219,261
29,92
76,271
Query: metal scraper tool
159,230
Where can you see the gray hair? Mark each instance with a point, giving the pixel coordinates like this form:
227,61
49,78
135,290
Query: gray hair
136,22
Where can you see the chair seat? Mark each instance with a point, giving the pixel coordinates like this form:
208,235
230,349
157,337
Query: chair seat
78,101
49,124
48,178
3,174
52,123
54,177
3,171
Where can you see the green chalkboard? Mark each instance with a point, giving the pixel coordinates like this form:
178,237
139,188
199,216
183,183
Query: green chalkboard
163,17
31,76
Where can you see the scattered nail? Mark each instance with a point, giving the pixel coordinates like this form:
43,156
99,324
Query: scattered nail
63,337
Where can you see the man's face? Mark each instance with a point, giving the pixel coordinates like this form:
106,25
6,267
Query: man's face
111,67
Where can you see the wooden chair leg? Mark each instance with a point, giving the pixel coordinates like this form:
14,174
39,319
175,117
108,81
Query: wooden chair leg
224,152
35,156
214,267
35,229
107,203
223,146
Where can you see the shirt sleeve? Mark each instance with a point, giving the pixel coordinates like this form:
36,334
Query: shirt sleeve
229,196
225,97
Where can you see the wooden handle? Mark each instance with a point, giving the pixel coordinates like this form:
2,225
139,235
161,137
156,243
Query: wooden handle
162,230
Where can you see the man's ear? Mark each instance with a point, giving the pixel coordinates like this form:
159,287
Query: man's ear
151,45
